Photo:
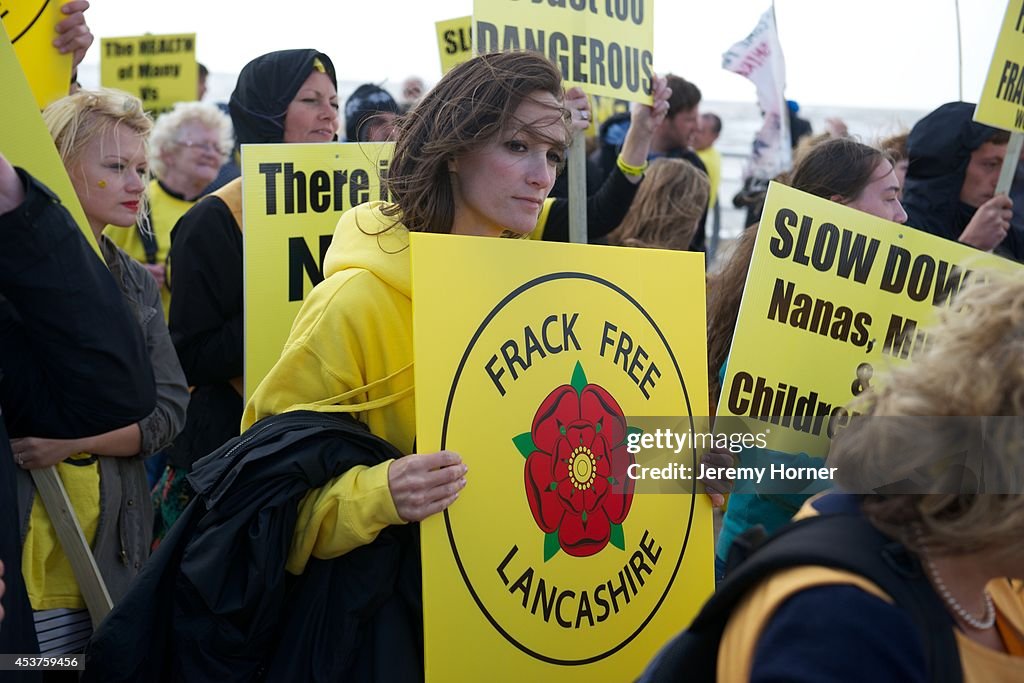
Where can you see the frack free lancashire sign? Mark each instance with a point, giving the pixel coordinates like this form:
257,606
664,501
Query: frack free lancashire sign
552,562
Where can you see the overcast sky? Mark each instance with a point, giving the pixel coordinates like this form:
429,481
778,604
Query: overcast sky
870,53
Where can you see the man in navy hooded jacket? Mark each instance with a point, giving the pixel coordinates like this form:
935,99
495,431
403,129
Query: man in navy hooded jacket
951,181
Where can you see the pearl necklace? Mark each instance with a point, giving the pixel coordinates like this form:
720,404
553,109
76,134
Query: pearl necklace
988,617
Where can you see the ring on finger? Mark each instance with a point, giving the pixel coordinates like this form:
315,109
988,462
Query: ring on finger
19,459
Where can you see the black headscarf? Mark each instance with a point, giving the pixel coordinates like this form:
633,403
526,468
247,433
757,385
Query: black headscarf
265,88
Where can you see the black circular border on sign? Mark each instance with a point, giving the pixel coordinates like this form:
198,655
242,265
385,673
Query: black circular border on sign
444,437
31,23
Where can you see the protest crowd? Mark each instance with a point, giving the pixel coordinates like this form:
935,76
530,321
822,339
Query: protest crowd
270,530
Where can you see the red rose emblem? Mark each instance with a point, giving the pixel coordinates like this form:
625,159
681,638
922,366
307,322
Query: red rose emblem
575,472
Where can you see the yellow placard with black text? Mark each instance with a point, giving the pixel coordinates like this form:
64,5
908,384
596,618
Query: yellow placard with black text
533,361
1002,99
604,46
602,109
294,195
26,142
158,69
31,26
454,42
833,299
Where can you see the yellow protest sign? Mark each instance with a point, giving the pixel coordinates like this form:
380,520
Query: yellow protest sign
159,70
26,142
602,109
454,41
293,197
1002,99
31,27
834,297
607,48
533,361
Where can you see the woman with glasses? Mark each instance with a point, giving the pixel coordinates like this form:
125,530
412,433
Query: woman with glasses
188,146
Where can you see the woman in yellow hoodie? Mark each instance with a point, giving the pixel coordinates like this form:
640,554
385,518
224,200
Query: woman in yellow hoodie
477,156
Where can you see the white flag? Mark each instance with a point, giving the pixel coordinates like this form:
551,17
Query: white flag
759,58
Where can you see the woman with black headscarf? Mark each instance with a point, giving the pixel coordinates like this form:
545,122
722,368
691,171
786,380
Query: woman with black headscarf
285,96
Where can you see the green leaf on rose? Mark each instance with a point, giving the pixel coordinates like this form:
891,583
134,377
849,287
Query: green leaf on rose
579,378
524,443
551,546
630,430
618,538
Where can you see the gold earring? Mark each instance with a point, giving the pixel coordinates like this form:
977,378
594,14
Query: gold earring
102,183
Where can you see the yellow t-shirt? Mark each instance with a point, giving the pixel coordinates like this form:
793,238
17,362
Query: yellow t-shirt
49,579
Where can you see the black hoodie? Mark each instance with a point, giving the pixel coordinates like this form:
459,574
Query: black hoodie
214,603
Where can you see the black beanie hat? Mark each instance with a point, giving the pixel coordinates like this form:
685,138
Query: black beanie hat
367,101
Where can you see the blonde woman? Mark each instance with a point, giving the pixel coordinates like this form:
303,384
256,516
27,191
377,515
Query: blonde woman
101,137
667,208
187,148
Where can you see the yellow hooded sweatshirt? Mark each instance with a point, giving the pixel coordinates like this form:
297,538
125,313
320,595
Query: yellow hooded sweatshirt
350,350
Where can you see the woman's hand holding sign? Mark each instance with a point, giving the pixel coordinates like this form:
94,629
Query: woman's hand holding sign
578,105
716,489
644,119
72,33
425,484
